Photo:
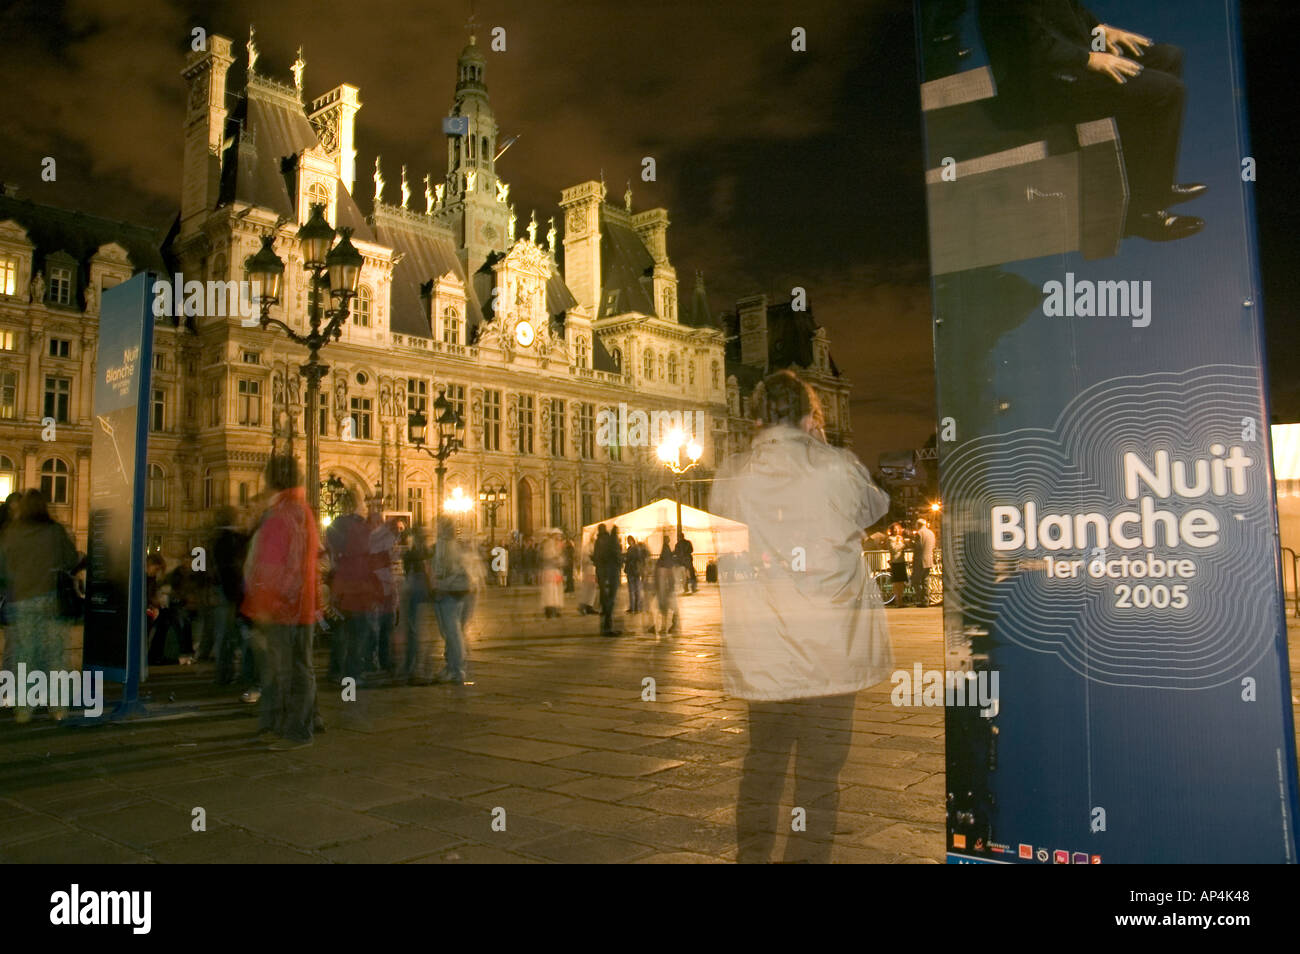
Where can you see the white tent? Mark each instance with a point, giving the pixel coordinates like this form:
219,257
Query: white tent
709,534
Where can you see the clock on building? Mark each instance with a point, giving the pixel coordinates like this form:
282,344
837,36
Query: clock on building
524,333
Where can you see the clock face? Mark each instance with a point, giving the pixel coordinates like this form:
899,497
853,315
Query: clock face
524,334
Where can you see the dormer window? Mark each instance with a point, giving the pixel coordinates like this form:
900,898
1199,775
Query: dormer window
450,326
361,307
581,354
61,285
318,194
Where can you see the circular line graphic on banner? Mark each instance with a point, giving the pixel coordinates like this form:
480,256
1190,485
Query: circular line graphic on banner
1132,539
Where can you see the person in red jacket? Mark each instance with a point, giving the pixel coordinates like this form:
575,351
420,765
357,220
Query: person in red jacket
280,598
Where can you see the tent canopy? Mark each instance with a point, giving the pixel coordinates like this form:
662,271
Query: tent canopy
709,534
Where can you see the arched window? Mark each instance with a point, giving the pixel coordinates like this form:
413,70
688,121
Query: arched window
616,356
318,194
8,476
361,307
54,481
450,326
715,371
157,487
668,304
648,365
672,367
487,153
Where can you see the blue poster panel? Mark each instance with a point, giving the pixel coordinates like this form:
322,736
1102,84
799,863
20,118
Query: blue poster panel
115,586
1110,545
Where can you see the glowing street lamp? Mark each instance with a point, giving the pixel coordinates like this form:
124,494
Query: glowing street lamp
679,453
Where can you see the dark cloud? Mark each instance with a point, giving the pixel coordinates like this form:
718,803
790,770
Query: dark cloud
778,168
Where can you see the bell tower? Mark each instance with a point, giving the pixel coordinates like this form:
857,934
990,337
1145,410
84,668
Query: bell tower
475,203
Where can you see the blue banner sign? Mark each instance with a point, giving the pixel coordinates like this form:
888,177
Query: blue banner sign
115,585
1110,538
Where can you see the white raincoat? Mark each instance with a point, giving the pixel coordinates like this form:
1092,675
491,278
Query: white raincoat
811,623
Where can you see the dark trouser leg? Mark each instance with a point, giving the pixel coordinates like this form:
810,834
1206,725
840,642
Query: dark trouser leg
825,734
299,704
758,808
919,591
1148,113
276,674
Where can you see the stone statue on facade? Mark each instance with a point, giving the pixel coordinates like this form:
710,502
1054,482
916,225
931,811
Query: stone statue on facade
298,68
379,183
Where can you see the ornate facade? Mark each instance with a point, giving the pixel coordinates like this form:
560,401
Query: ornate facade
530,340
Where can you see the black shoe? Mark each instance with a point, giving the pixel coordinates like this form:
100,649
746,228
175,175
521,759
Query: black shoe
1163,226
1184,191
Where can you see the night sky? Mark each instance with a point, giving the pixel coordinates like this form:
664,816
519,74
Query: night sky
778,168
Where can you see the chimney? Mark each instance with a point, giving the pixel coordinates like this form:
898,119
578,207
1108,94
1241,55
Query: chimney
205,127
333,116
652,226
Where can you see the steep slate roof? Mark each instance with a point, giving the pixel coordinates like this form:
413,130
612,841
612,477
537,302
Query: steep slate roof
626,268
268,131
428,252
80,235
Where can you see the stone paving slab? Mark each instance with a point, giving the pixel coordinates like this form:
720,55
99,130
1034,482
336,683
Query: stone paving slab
555,732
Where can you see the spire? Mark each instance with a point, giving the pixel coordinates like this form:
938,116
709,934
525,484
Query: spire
701,317
406,189
627,196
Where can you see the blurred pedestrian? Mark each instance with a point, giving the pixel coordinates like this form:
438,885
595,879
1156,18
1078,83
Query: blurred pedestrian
634,566
452,584
608,557
800,648
37,559
416,593
552,575
228,549
383,545
922,561
684,553
281,599
897,544
354,589
666,591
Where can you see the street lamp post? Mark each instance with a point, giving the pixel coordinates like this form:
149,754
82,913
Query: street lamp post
336,269
450,428
492,498
679,454
330,496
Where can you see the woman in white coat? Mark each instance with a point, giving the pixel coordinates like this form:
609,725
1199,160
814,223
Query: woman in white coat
801,639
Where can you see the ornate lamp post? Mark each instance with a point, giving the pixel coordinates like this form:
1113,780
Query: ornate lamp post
679,454
450,428
337,269
330,494
492,498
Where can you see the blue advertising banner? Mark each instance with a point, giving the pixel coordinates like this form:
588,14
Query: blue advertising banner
115,585
1110,543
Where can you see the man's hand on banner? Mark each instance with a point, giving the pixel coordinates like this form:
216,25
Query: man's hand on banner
1118,68
1120,41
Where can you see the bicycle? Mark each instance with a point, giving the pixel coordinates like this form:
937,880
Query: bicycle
933,595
